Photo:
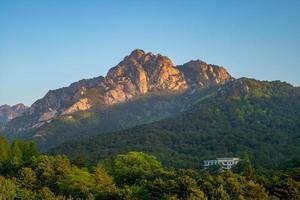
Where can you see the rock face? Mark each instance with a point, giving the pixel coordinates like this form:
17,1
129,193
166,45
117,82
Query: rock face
62,101
140,73
8,113
64,98
137,74
200,74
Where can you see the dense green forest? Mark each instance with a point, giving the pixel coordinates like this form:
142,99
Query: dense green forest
25,174
261,119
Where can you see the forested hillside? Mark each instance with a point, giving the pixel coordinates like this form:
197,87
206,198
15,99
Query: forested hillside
244,117
25,174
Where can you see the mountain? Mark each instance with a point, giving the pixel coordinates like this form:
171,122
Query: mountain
55,103
180,113
7,113
125,97
259,119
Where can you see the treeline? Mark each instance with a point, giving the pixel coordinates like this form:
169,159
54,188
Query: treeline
24,174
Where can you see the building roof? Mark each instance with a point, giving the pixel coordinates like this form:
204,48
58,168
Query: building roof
233,158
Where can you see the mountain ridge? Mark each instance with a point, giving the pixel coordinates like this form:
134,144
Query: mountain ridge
8,112
186,112
137,74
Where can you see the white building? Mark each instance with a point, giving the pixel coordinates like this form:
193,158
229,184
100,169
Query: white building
226,163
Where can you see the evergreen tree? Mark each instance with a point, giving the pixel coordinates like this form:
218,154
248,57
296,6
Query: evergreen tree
4,151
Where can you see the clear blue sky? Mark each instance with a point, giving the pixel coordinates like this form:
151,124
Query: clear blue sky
48,44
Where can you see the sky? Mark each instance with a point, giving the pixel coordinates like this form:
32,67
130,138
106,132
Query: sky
51,43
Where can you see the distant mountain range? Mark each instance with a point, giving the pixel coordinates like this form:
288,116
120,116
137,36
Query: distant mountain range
7,113
182,114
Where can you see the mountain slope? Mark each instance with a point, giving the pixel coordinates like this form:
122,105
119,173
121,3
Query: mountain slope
55,103
244,116
102,104
7,113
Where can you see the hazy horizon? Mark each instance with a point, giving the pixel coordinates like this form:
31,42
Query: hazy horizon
50,44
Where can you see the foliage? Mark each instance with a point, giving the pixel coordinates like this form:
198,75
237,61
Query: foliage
137,175
135,167
7,188
4,150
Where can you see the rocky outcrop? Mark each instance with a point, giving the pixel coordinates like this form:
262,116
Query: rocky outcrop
61,101
140,73
202,75
63,98
81,104
8,113
137,74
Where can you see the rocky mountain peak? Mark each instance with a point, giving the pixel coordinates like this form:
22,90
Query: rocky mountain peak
19,107
140,73
8,113
200,74
137,74
137,53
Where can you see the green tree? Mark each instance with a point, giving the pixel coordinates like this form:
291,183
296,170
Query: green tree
28,178
214,169
135,166
186,186
80,161
22,152
45,170
245,168
233,186
287,188
220,194
16,158
52,170
4,151
25,194
77,182
46,194
29,150
254,191
104,184
196,194
8,189
103,181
